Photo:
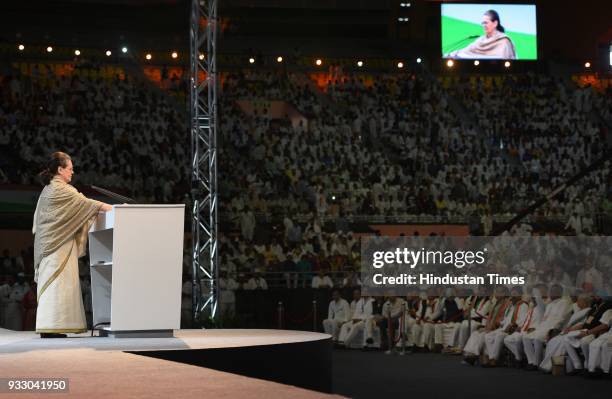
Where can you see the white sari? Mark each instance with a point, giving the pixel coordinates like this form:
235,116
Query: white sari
60,303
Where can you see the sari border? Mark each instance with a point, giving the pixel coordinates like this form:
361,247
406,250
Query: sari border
60,330
55,273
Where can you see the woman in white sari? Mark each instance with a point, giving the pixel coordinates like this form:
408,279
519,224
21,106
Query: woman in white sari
61,222
494,44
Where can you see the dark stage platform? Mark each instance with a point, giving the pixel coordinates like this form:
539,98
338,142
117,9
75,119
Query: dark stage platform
194,363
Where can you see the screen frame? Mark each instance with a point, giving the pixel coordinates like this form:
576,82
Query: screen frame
539,38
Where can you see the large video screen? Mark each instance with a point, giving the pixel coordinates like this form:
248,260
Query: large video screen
489,31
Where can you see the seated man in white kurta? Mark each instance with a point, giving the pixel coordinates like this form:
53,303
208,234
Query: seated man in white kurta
352,328
556,345
338,313
61,222
556,313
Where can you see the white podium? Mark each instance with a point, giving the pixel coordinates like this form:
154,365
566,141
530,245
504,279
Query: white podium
136,259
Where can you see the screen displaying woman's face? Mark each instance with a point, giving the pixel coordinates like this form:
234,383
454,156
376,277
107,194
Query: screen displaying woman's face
488,25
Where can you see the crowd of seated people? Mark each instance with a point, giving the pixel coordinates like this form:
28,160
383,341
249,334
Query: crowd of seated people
545,326
116,129
389,145
546,125
431,163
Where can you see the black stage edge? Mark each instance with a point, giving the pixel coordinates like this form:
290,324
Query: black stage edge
302,364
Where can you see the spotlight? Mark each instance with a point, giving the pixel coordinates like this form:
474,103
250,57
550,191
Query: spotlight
174,55
359,64
279,59
318,62
21,47
124,50
77,52
587,64
108,53
400,65
476,62
405,4
251,60
403,19
450,63
148,56
507,64
49,49
201,56
419,60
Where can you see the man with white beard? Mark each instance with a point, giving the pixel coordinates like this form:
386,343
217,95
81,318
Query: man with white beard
338,313
556,313
556,345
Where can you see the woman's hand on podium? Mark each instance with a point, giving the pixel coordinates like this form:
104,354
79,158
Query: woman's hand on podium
107,208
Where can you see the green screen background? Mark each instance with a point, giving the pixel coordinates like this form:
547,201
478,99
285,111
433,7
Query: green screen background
454,30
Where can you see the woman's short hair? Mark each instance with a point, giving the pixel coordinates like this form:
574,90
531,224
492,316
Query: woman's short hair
56,160
495,17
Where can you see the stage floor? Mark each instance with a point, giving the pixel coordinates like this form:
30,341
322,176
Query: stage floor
112,367
23,341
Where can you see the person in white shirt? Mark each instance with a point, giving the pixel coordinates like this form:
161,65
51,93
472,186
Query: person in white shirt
432,313
351,280
514,341
322,280
256,282
556,345
515,317
592,348
351,329
589,278
227,297
475,308
475,344
13,308
556,313
392,311
338,313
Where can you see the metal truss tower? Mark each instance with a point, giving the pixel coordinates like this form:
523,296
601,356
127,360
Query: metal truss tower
203,108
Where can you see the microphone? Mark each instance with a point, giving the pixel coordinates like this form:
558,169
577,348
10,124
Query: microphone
115,196
458,43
